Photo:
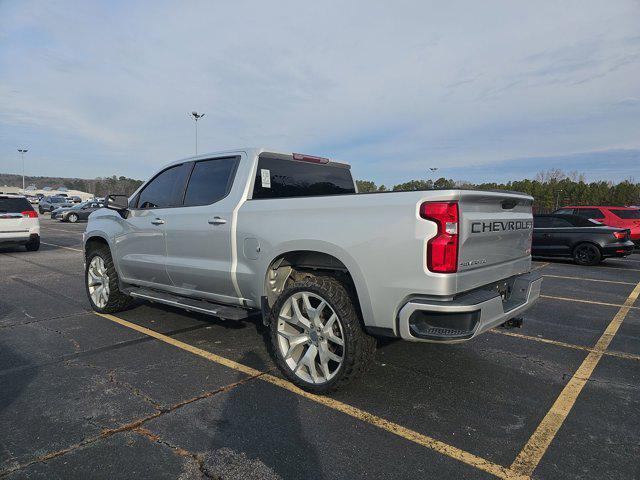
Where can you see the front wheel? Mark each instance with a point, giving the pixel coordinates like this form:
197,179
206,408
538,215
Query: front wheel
102,285
73,218
587,254
317,335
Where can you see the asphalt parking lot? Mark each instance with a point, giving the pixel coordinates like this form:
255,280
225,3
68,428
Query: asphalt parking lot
156,392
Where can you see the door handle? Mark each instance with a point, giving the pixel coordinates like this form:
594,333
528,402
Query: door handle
157,221
217,221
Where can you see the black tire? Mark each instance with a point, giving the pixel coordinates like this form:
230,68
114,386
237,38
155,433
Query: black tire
117,300
359,347
587,254
33,245
40,210
72,218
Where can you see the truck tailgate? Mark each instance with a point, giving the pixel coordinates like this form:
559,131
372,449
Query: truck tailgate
495,229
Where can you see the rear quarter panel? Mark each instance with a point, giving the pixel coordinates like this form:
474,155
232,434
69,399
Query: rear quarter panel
380,238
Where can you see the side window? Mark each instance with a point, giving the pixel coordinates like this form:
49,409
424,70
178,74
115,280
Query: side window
564,211
210,181
561,223
589,212
166,189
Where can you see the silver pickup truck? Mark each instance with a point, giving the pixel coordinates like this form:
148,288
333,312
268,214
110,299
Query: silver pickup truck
236,232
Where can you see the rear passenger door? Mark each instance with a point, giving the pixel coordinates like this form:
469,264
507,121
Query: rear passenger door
199,233
563,235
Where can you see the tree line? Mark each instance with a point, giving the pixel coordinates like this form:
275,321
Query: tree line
551,189
99,187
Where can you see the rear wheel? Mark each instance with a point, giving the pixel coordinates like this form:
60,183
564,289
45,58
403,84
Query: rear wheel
33,245
317,335
587,254
102,285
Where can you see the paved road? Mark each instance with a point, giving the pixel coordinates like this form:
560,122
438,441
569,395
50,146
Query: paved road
159,393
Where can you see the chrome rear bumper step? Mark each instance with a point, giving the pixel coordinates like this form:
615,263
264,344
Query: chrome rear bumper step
190,304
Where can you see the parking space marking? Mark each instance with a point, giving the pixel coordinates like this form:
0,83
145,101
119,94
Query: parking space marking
60,246
579,300
611,353
391,427
588,279
538,267
530,456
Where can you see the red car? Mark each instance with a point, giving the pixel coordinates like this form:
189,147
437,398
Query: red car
621,217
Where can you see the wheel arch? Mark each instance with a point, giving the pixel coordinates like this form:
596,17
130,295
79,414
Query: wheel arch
324,260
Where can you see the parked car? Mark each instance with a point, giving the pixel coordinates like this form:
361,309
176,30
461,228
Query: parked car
19,223
49,204
622,217
33,199
78,212
586,241
76,199
286,235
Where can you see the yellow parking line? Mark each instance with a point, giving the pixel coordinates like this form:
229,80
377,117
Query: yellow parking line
588,279
530,456
627,356
394,428
60,246
579,300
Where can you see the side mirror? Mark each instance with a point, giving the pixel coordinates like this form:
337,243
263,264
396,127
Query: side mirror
117,202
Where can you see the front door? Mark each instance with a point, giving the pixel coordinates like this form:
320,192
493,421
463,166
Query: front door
198,235
141,246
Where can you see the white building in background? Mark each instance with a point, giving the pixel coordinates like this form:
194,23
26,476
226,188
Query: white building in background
48,191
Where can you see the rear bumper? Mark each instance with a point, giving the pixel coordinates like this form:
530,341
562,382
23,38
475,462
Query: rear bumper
619,249
468,315
17,238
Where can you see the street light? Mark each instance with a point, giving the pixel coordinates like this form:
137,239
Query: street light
196,116
433,170
22,151
558,198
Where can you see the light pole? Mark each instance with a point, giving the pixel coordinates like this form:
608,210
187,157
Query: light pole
433,170
22,151
558,198
197,116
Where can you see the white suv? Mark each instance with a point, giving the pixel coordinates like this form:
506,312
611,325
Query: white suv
19,223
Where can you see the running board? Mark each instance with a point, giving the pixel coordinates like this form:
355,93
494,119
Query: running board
190,304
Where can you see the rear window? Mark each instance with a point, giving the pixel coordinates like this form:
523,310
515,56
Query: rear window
14,205
626,214
279,178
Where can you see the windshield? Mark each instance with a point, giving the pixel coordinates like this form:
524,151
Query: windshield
627,214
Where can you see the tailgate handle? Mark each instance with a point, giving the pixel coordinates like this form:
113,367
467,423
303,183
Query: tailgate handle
509,204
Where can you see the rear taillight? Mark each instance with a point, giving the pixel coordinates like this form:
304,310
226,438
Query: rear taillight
30,214
442,250
620,235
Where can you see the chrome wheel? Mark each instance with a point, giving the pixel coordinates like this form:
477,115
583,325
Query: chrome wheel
73,218
310,337
98,282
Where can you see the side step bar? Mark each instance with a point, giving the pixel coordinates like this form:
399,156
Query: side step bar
190,304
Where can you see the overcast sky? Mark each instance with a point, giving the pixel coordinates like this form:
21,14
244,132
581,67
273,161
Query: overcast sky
102,88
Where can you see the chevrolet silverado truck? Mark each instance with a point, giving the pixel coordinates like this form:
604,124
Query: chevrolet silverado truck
239,232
